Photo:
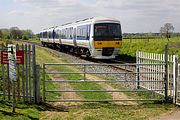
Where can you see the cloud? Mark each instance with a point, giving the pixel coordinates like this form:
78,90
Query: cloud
17,12
135,15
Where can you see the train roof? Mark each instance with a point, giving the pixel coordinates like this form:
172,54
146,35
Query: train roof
92,19
97,19
87,20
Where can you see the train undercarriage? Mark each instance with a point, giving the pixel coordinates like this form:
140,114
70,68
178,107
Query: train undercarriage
67,48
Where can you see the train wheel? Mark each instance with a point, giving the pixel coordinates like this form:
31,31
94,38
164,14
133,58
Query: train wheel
88,54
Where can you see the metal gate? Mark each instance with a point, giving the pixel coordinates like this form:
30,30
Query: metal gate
101,83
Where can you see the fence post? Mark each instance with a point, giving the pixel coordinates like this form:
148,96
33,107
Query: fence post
137,69
9,92
84,71
38,83
175,77
26,73
18,76
166,73
44,87
23,78
29,72
34,72
3,77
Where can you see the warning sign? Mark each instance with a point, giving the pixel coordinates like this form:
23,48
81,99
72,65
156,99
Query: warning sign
4,57
20,57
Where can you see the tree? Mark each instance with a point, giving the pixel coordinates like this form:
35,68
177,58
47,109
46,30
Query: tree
1,34
15,33
167,30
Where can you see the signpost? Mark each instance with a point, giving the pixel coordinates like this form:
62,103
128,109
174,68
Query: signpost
12,71
12,57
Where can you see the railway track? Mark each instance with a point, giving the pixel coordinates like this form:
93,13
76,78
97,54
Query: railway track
114,64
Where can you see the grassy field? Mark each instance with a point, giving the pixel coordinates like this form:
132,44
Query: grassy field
80,111
149,45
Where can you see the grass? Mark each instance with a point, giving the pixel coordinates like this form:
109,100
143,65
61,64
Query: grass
97,111
23,111
34,40
152,45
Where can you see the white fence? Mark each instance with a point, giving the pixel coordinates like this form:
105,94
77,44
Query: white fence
156,65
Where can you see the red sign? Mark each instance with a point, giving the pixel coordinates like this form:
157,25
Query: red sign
4,57
20,57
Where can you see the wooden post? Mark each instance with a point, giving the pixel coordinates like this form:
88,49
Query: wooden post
8,79
137,69
18,80
26,62
44,84
175,78
34,72
38,83
29,70
166,73
3,78
23,78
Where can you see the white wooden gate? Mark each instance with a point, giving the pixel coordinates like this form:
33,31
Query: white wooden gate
151,59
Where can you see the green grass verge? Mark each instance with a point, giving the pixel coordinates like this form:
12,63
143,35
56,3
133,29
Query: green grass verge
23,111
152,45
99,111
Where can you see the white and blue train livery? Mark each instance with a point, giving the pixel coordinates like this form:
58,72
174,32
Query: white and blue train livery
97,37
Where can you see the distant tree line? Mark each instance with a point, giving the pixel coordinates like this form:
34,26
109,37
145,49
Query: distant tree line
141,35
16,33
166,31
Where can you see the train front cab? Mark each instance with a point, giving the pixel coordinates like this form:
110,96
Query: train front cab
107,40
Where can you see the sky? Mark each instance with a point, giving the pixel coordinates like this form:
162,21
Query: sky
134,15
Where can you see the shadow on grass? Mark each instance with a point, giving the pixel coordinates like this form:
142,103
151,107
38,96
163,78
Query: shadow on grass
17,114
106,105
82,106
49,107
126,58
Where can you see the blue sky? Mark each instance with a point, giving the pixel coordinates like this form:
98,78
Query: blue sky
135,15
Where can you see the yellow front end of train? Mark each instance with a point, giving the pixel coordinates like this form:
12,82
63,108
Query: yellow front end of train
107,44
107,40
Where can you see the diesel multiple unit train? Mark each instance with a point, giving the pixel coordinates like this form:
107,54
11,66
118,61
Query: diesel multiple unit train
97,37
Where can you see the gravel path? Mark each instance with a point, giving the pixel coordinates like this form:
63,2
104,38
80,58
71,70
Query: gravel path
172,115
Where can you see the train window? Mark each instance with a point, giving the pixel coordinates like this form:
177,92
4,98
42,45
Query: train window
44,34
71,33
107,31
56,34
63,34
60,35
49,34
40,35
82,32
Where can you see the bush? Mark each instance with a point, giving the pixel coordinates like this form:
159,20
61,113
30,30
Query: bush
24,37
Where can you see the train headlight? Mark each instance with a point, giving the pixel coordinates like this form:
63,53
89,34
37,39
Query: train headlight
99,43
117,43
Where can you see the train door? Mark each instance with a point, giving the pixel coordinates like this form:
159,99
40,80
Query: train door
74,37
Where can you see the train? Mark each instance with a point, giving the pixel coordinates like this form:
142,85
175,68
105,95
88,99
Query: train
96,37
